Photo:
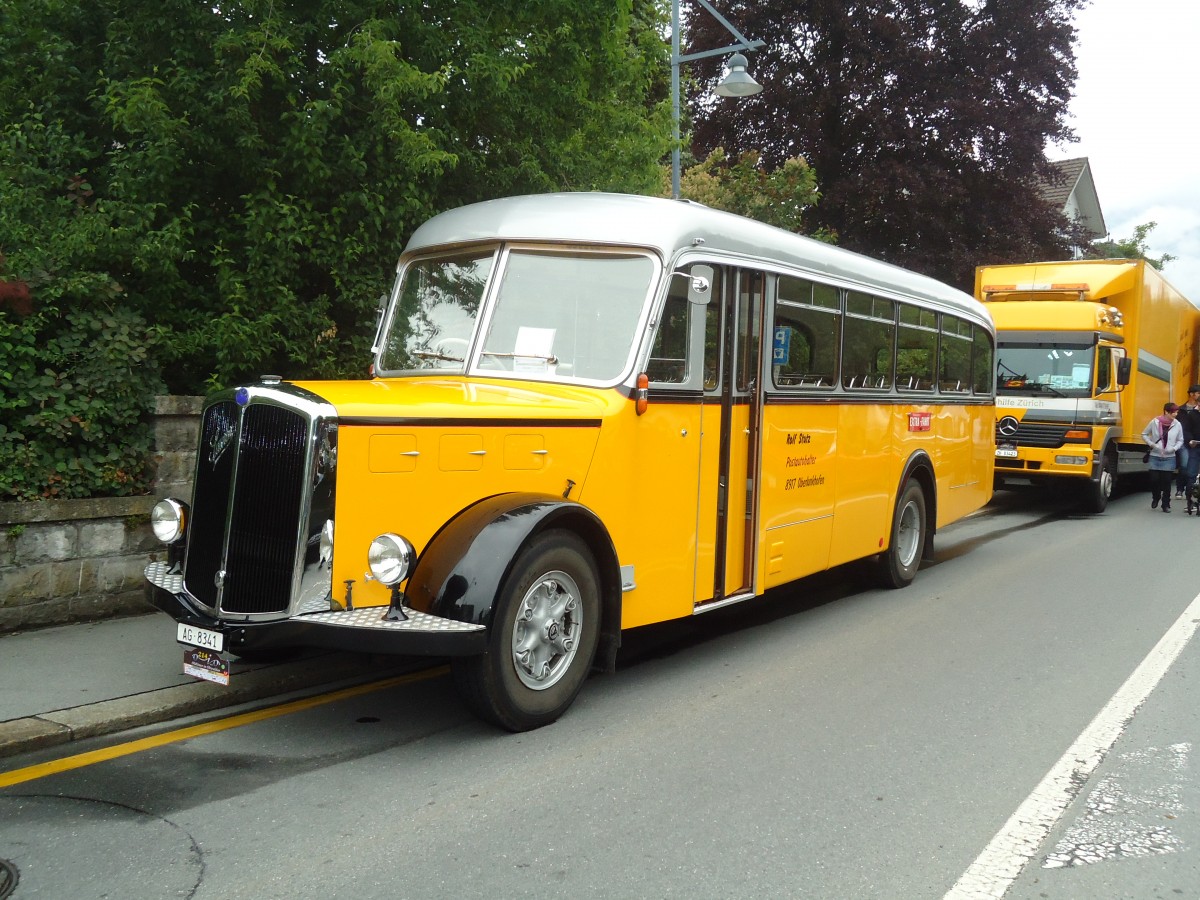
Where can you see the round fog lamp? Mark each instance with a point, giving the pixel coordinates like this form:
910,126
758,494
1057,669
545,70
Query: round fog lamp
390,559
167,520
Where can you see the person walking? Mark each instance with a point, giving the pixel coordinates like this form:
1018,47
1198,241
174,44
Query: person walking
1163,435
1189,455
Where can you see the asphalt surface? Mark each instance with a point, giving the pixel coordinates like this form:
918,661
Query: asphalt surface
85,680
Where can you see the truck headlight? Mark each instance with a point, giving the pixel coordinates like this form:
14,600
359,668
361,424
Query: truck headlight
168,520
390,559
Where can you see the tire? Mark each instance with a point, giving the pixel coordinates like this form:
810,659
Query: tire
1097,493
543,637
898,564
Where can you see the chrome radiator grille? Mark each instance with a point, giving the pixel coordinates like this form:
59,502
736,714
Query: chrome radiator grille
250,504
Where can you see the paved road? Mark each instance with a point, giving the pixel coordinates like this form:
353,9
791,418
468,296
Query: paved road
834,741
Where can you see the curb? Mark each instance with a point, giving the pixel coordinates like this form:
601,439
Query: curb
63,726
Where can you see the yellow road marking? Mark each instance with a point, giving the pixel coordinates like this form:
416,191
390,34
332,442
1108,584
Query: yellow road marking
78,761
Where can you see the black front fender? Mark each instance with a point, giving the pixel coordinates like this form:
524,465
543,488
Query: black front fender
461,571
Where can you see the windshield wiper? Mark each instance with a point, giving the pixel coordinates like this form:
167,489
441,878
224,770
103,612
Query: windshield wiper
434,354
1045,388
552,360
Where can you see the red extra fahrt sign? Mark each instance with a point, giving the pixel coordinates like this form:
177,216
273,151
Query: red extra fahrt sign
918,421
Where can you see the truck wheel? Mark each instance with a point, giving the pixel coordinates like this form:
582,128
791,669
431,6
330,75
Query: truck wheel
1097,493
898,564
545,627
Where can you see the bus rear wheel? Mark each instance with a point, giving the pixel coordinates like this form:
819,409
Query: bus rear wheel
898,564
545,628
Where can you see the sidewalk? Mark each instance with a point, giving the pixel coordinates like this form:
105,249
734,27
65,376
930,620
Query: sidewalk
79,681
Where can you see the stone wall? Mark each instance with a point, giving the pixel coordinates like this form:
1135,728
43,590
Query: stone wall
65,561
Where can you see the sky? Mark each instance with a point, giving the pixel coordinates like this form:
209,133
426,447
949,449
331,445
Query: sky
1136,116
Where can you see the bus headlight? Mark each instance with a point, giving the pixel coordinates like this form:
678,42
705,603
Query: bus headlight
168,520
390,559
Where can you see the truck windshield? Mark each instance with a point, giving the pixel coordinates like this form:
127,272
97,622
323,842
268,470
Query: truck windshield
550,315
1058,371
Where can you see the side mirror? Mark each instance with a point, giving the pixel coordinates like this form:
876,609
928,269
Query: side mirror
700,281
1124,370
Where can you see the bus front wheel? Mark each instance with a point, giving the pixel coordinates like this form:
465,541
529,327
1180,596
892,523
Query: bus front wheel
899,563
545,627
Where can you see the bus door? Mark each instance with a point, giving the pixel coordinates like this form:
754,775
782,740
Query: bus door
667,456
730,451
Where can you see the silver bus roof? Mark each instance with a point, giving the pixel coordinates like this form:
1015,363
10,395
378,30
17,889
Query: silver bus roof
669,226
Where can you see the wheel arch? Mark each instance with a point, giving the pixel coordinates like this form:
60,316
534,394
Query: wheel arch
461,570
919,467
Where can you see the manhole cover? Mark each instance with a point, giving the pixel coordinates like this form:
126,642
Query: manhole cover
8,878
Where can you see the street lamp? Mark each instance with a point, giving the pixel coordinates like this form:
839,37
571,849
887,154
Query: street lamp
737,83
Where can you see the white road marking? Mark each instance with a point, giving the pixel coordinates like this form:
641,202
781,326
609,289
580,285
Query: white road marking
1001,862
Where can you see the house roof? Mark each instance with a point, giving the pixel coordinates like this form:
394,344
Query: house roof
1074,192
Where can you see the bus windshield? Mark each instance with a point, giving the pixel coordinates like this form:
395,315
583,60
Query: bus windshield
1064,371
523,313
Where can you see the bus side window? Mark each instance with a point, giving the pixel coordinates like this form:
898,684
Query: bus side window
981,362
805,332
955,359
668,362
916,349
868,357
749,312
713,316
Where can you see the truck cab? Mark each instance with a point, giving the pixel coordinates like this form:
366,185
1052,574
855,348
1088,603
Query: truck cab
1086,352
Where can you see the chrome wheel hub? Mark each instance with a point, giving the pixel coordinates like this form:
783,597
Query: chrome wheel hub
908,535
546,632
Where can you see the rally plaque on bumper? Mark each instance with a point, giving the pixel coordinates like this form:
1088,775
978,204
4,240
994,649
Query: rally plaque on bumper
206,665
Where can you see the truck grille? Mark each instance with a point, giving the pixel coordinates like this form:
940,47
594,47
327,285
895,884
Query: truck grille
250,476
1049,436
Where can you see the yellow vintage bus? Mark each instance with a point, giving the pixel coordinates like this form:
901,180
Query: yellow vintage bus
587,413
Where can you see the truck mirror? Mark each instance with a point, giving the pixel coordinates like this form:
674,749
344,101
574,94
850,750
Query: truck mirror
1124,370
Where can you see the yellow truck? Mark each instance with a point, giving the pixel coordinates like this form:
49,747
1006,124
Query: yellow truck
1087,351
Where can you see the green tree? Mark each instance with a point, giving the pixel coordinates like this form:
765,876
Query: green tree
76,374
779,197
221,190
253,167
1135,247
925,121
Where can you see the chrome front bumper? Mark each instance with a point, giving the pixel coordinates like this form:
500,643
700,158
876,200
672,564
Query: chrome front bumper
365,629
